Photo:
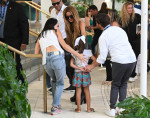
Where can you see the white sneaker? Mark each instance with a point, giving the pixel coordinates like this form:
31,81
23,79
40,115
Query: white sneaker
132,79
135,77
120,110
111,112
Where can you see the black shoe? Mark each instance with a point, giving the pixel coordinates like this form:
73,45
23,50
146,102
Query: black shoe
148,68
73,99
50,90
70,88
83,100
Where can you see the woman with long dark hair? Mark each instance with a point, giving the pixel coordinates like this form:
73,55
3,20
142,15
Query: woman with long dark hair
104,8
49,42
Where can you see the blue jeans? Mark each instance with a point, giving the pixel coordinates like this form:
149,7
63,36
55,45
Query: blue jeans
48,81
56,68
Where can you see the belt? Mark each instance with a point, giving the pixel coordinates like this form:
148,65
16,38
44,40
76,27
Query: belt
53,53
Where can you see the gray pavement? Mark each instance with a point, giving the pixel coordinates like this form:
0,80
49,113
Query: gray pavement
99,98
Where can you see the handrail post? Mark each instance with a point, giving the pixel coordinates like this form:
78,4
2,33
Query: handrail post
44,91
14,55
39,69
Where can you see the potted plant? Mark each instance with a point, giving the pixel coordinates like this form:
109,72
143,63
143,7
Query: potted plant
13,100
135,107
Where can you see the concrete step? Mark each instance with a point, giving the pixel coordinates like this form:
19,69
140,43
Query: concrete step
33,61
33,73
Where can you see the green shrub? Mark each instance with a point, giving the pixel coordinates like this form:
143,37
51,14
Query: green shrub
135,107
13,101
81,10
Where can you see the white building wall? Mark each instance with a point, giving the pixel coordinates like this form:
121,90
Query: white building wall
45,4
118,5
98,3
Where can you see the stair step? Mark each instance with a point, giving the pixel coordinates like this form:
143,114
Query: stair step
33,73
34,61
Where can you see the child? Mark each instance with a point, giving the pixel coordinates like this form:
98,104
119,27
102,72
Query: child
81,76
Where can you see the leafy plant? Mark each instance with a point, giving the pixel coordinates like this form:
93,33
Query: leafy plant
81,10
13,101
135,107
87,2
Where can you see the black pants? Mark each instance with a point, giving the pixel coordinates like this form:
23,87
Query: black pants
19,68
94,43
69,70
18,62
120,77
108,70
136,48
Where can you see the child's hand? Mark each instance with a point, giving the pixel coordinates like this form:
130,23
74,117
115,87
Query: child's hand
83,69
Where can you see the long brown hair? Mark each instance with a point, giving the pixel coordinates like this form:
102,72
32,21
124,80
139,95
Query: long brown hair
72,29
113,15
125,17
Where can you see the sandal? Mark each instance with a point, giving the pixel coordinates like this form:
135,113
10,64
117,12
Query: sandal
90,110
78,110
104,82
109,83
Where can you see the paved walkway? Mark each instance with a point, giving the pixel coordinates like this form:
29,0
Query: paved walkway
99,98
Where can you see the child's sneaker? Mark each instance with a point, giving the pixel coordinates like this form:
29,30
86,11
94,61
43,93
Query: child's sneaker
59,107
55,110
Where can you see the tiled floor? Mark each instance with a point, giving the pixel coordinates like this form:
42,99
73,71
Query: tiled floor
99,98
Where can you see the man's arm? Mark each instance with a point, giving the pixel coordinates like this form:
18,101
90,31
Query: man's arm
91,66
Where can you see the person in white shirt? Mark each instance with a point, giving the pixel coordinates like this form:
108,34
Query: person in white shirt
53,61
57,13
115,41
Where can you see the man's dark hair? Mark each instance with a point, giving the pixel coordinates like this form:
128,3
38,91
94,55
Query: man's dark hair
93,7
130,1
103,19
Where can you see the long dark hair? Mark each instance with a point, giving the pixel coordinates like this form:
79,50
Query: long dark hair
72,29
104,8
49,25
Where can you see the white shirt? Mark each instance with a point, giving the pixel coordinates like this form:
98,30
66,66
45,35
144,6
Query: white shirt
115,41
78,63
49,39
60,19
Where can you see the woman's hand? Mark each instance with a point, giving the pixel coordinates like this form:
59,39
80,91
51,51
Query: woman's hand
82,58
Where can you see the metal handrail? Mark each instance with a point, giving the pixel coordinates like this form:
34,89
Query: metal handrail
44,73
81,4
22,53
34,33
34,6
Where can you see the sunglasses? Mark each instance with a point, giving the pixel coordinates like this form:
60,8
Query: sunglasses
71,16
56,3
